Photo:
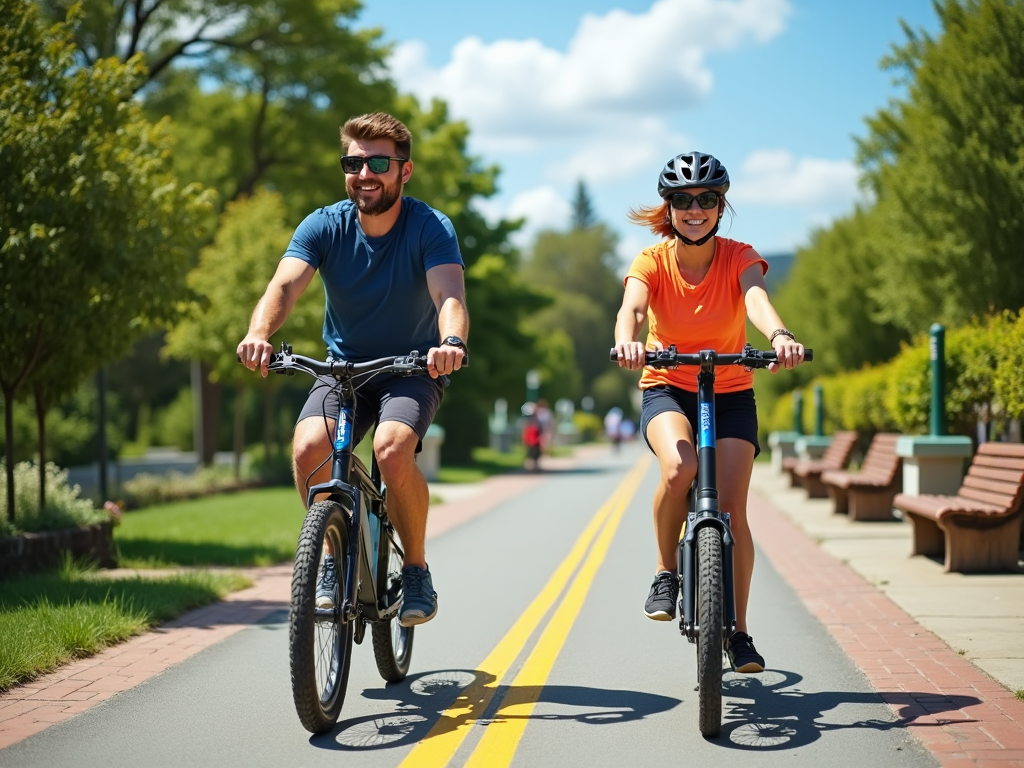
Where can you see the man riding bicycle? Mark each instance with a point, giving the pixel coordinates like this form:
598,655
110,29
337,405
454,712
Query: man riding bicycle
393,278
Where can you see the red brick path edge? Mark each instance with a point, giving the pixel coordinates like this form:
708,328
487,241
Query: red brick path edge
78,686
955,710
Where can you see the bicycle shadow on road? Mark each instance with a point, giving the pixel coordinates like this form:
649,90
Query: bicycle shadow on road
424,702
765,713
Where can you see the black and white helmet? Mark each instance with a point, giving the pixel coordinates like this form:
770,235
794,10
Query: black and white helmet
692,169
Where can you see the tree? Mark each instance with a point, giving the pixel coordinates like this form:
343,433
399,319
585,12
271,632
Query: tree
578,269
98,231
230,278
947,166
583,216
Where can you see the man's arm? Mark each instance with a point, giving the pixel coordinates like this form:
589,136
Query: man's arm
288,283
447,287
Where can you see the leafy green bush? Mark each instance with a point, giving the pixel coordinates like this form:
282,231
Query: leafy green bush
146,489
273,470
1008,378
589,426
63,507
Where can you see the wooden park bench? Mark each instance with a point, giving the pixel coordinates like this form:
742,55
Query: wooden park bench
807,472
869,493
979,528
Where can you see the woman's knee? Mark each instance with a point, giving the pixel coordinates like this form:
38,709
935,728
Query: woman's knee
677,475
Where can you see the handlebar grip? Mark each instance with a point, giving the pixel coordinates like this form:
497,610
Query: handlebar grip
808,355
614,355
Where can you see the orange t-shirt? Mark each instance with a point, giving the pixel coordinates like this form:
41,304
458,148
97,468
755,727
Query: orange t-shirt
711,315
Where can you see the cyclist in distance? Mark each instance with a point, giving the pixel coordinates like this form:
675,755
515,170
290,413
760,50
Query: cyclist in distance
393,278
697,290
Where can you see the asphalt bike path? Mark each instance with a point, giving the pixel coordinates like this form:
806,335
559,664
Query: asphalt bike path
540,656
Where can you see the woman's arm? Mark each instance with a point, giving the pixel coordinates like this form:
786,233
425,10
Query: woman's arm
629,321
764,317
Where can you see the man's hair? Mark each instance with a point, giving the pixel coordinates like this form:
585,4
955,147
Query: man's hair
378,125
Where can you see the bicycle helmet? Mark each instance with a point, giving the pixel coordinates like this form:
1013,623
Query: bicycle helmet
688,170
692,169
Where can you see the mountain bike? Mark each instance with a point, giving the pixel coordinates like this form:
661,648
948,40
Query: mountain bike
707,610
352,524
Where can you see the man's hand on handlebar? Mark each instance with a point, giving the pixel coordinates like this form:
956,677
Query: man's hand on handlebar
442,360
255,353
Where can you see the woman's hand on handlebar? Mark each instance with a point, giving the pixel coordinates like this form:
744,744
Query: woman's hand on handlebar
254,353
790,352
632,355
443,360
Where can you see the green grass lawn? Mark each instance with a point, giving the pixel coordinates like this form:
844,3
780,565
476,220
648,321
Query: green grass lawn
258,527
49,619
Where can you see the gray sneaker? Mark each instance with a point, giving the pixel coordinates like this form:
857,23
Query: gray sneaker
327,586
419,600
661,601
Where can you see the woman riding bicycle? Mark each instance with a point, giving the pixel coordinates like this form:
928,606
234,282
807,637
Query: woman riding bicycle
697,290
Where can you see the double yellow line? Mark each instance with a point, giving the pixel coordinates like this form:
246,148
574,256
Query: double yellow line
501,737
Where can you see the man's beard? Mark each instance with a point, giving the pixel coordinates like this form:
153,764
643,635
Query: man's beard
387,197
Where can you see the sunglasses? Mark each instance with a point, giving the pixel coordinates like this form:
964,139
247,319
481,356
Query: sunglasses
681,201
376,163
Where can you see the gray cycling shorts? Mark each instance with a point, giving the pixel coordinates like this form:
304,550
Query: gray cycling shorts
410,400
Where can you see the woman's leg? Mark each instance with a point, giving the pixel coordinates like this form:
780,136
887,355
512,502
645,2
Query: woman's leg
734,458
671,438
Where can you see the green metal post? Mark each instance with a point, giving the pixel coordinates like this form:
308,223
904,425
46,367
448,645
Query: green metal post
798,411
937,347
819,413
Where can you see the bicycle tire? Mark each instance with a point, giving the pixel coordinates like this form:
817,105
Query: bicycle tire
709,641
320,652
392,643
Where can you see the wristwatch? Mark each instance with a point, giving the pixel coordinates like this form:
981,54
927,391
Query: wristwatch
455,341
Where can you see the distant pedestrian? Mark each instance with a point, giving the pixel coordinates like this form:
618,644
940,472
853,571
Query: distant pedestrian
533,438
613,427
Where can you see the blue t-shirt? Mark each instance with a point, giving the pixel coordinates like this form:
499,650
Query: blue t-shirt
378,303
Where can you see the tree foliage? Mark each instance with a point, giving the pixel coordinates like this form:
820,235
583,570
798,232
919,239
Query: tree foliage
579,270
947,166
97,231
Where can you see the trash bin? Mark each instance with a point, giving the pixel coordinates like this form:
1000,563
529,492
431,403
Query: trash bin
429,458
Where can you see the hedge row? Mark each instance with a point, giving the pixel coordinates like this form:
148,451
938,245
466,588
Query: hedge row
984,382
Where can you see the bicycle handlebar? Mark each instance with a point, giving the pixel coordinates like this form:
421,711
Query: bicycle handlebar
286,362
749,357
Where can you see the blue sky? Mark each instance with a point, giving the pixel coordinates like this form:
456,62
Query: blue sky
607,91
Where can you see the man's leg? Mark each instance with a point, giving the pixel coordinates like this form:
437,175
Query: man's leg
395,443
311,444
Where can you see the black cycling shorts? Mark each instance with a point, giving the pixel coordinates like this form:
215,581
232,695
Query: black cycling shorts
411,400
735,412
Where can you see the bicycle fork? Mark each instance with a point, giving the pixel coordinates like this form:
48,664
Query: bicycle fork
687,568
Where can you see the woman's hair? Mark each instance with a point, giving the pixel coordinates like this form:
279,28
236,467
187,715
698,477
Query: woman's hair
377,125
656,217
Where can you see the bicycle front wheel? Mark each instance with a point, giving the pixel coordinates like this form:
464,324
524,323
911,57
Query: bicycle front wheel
320,643
709,618
392,643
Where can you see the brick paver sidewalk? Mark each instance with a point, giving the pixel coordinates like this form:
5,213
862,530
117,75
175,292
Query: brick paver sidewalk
959,713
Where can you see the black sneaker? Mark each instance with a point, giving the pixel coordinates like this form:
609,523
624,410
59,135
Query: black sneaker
661,602
742,654
327,584
419,600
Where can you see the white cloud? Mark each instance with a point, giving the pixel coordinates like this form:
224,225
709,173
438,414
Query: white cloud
542,207
520,92
776,178
634,146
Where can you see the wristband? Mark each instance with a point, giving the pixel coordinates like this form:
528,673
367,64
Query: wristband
780,332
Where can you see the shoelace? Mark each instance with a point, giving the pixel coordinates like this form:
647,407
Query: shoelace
413,582
663,586
327,570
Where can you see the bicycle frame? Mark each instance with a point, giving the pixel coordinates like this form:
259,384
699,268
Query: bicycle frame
367,592
704,510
